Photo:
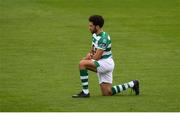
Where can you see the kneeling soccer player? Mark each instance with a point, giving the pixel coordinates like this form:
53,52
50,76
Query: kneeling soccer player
100,60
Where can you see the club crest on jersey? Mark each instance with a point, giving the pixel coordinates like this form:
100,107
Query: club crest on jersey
103,45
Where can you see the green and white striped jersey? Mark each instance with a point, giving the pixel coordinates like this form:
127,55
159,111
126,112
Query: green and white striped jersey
102,41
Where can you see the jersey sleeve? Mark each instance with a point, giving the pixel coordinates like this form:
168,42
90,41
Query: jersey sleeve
103,43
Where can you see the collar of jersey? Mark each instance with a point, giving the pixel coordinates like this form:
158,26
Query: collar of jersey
100,33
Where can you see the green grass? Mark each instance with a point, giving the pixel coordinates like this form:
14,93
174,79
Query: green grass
39,54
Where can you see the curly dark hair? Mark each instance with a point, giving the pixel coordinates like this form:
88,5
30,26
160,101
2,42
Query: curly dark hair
97,20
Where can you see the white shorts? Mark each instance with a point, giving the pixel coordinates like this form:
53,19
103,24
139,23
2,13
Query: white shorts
105,70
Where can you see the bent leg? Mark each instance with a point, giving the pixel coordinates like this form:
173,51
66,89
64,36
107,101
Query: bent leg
87,64
83,66
106,89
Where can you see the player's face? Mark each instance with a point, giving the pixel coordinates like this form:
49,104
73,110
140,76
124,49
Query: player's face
92,28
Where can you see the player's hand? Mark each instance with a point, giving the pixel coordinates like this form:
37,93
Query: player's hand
88,56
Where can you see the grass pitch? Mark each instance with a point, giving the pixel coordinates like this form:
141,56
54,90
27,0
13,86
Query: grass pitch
42,41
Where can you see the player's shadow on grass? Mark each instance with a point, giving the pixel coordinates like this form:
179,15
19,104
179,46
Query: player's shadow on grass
123,94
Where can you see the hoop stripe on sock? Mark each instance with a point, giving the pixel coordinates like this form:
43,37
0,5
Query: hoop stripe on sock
124,88
84,80
85,87
126,85
120,88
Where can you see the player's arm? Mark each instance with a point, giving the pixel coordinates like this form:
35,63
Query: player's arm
90,54
91,51
98,54
102,45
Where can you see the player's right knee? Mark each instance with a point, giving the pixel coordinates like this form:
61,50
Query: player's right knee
82,63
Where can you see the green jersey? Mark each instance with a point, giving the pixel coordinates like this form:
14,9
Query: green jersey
102,41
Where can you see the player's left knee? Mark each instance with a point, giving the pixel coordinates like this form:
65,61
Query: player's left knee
107,93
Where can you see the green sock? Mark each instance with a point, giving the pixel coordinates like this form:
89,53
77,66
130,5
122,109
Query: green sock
84,80
120,88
